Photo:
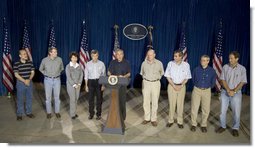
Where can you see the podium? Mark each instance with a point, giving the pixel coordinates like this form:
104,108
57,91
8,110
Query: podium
114,123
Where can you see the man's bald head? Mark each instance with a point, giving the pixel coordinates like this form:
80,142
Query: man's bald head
151,55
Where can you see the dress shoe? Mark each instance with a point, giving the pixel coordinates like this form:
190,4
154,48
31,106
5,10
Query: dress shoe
169,124
58,115
90,117
48,116
193,128
75,116
204,129
19,118
154,123
235,133
98,117
180,125
30,115
145,122
220,130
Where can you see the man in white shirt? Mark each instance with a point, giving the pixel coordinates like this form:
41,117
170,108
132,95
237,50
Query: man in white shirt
177,74
93,70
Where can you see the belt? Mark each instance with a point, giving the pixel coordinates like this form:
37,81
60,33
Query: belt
202,88
177,84
93,79
151,80
52,77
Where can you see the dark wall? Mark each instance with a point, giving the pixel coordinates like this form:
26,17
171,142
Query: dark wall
201,17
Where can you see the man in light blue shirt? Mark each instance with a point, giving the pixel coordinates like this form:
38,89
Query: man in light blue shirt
93,70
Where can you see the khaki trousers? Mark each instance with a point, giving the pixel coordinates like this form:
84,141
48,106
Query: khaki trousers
176,98
203,97
151,91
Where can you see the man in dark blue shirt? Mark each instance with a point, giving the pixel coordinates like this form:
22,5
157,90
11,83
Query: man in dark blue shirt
121,68
204,78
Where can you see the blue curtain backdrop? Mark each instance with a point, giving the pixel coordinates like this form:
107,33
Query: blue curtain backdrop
166,16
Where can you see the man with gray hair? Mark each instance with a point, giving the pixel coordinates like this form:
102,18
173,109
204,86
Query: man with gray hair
151,70
203,78
120,68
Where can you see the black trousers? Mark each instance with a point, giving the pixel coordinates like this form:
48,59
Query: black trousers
122,101
95,91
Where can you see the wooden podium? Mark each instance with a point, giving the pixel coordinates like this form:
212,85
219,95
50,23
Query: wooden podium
114,123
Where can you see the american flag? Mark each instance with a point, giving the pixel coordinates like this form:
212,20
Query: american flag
84,53
217,56
52,39
8,80
116,42
26,42
183,45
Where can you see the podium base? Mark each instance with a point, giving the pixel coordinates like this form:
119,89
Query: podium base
113,130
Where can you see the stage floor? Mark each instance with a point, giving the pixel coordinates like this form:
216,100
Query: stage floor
65,130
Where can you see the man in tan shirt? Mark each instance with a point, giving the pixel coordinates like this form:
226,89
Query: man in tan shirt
151,70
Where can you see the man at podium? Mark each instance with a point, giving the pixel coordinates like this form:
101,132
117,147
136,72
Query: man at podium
120,67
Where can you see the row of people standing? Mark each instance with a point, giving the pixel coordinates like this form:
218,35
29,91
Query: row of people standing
177,73
74,76
233,77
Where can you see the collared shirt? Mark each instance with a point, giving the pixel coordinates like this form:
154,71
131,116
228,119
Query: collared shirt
233,76
204,77
152,71
119,68
23,69
93,70
73,65
74,74
178,72
51,67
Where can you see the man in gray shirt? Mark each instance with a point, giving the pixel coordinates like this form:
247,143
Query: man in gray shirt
233,77
51,67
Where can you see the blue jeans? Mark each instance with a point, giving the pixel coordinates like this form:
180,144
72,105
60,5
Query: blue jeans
235,104
24,91
52,84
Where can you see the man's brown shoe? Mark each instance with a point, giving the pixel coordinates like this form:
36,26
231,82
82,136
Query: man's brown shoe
220,130
145,122
154,123
235,133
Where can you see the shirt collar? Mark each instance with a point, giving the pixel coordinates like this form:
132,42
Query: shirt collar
154,61
74,65
204,68
234,66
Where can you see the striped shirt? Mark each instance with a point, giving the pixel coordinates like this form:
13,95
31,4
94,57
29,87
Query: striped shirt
23,69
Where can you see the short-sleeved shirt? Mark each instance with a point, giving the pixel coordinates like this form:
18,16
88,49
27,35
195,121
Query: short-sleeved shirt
23,69
233,75
51,67
119,68
178,72
152,71
204,77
